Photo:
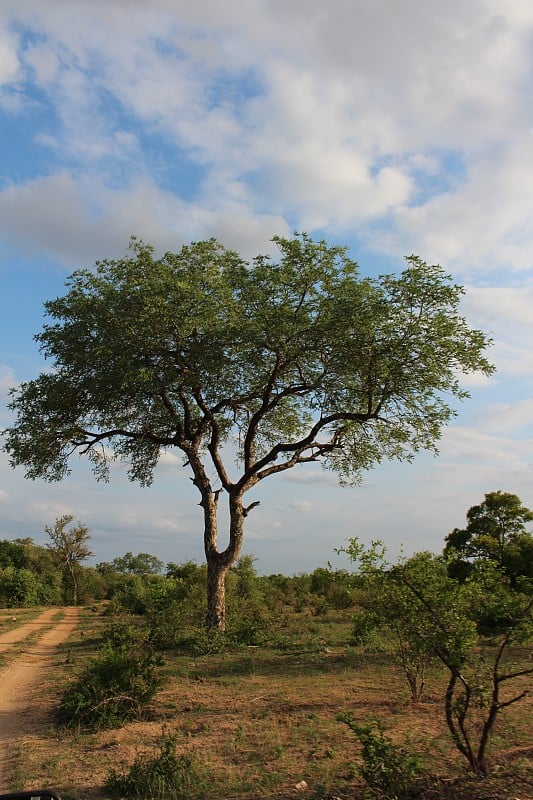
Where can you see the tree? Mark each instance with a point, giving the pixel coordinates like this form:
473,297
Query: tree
496,531
69,546
141,564
294,362
13,554
432,613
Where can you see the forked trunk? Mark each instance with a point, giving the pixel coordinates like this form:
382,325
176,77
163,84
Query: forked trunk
218,563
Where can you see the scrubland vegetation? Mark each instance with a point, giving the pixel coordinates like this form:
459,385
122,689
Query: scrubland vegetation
390,681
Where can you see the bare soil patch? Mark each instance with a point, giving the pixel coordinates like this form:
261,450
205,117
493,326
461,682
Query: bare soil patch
24,710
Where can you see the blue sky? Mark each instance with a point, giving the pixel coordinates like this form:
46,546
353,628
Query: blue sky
393,128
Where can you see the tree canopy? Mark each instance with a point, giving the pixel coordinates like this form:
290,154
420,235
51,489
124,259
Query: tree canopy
293,361
141,564
496,531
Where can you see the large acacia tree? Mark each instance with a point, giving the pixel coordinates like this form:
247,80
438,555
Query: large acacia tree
248,369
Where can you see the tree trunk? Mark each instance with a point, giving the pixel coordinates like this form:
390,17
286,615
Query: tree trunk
218,563
74,586
216,593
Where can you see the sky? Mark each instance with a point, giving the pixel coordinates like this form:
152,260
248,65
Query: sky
391,128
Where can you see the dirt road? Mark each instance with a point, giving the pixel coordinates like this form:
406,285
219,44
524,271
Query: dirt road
23,709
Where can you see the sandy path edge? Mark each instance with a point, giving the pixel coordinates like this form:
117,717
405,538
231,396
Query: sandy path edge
22,713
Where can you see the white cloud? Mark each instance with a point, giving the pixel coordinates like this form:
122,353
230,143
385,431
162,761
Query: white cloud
511,417
509,305
505,314
76,222
340,119
476,448
9,62
308,476
301,505
484,222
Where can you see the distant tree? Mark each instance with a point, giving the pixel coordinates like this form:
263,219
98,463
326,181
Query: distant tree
19,587
295,362
495,531
69,547
189,571
91,585
28,574
13,554
141,564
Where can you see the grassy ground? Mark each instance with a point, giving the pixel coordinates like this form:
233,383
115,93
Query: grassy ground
261,722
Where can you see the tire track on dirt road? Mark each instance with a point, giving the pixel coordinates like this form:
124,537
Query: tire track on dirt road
21,632
22,713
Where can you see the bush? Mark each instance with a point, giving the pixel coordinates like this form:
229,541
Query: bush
19,588
116,686
365,624
165,776
389,768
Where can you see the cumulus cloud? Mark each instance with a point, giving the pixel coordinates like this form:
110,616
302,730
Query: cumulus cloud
75,221
337,127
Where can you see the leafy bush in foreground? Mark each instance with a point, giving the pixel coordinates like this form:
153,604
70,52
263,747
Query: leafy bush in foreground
391,769
164,776
115,687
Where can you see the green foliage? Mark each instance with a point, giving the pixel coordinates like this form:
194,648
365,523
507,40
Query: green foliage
13,554
28,574
300,360
393,770
249,616
69,548
395,342
163,776
495,531
334,587
366,622
116,685
19,588
386,601
141,564
91,586
433,614
173,607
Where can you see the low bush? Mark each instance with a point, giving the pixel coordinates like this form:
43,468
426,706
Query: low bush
116,686
163,776
389,769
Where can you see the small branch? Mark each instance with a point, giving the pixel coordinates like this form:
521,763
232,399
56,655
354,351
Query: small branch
249,508
518,697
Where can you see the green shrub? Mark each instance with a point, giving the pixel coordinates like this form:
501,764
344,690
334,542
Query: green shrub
116,686
165,776
390,769
365,624
19,588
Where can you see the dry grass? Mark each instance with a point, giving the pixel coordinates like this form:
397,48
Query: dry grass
263,720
